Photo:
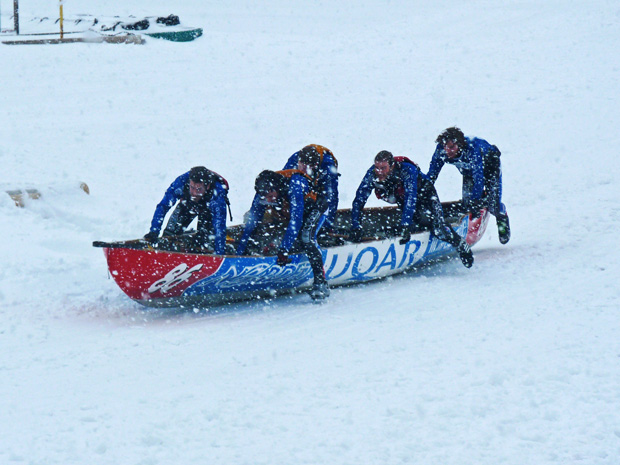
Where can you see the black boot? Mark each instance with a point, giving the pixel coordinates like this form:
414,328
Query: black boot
465,253
503,228
319,292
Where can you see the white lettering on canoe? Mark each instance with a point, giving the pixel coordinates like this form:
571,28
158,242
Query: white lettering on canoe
173,278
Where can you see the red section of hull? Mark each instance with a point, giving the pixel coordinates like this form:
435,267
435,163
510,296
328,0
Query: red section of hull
145,275
476,227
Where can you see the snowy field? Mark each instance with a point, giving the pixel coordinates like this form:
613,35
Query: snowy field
515,361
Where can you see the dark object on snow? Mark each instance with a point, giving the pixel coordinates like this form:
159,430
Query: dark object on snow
137,26
170,20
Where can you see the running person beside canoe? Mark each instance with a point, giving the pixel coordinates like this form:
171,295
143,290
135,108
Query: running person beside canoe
479,163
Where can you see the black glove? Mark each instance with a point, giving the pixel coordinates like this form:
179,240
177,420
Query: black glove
323,234
196,243
474,206
151,236
283,259
202,239
355,235
406,235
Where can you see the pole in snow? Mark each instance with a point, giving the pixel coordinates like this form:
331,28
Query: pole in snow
60,2
16,16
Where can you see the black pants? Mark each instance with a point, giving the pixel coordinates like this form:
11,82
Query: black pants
493,182
307,244
184,214
429,213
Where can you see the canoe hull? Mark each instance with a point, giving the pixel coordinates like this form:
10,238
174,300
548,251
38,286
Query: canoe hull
160,278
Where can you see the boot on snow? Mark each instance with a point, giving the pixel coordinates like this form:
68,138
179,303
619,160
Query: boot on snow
319,292
467,257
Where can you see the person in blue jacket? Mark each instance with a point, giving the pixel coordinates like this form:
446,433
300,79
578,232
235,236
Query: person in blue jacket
479,163
200,193
397,180
327,180
293,195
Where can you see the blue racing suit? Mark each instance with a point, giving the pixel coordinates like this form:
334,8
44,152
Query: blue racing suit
480,167
327,181
299,186
414,194
304,216
211,211
401,187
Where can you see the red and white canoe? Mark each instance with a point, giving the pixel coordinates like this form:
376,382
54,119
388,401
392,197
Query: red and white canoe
168,275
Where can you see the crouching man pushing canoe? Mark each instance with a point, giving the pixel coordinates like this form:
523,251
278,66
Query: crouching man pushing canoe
399,181
293,194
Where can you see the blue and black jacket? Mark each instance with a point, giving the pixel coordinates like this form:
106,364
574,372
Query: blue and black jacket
400,187
215,199
327,180
470,164
295,197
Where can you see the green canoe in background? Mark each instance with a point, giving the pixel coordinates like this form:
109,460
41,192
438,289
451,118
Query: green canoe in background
180,35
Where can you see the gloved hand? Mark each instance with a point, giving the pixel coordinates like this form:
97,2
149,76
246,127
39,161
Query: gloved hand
475,214
151,236
406,235
355,235
283,258
198,242
323,234
474,206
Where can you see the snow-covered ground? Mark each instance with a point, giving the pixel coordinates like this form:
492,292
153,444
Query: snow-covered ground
516,361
